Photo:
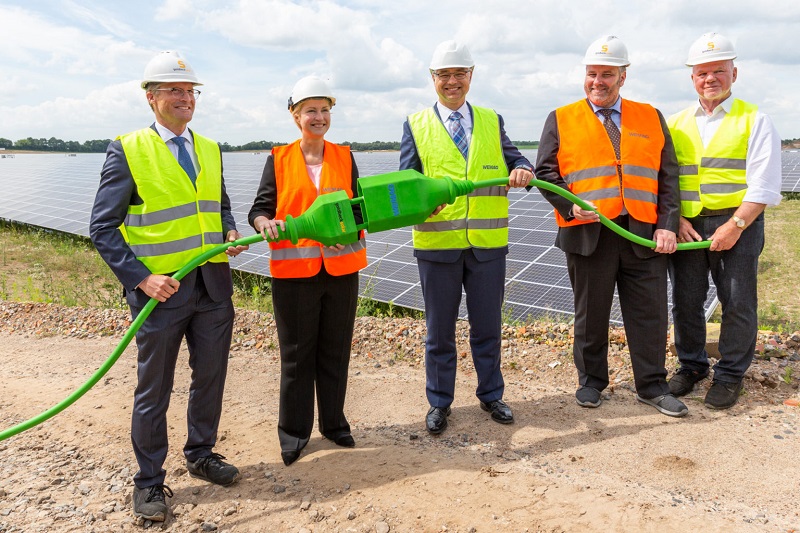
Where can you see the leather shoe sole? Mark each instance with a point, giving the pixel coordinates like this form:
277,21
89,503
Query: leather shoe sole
500,411
436,419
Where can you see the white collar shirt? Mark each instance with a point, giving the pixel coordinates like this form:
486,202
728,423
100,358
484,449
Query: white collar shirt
466,118
763,160
167,135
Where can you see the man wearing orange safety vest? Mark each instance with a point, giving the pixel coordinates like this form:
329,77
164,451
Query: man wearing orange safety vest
730,171
617,155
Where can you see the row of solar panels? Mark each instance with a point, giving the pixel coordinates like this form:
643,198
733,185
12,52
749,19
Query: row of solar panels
55,191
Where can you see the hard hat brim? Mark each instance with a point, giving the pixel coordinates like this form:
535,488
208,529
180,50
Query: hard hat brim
710,59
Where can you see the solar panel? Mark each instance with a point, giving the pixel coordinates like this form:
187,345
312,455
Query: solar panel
790,161
55,191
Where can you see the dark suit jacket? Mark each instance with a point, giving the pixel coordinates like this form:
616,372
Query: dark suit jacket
116,192
409,158
582,239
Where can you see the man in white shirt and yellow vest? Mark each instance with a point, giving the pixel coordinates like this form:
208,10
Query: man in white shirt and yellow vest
730,171
466,243
160,203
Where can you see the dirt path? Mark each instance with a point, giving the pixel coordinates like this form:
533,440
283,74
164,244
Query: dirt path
559,468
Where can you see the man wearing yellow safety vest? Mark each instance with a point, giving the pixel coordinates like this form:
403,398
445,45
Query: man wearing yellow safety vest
730,170
464,244
160,203
616,155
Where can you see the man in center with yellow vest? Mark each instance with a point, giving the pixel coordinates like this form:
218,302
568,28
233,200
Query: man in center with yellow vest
464,244
617,155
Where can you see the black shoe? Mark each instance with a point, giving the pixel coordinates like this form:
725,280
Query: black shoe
290,456
722,395
345,439
683,381
501,412
436,419
211,468
149,503
588,397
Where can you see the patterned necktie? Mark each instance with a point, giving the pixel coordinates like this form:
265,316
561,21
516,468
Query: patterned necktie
458,133
611,128
184,159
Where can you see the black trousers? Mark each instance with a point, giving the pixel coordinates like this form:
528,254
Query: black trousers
315,318
208,327
642,287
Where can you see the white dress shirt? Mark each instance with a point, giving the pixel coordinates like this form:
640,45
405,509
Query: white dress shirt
763,160
466,119
167,135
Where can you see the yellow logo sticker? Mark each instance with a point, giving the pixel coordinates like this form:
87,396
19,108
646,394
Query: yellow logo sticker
604,48
181,64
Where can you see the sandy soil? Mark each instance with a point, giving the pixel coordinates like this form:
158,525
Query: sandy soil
559,468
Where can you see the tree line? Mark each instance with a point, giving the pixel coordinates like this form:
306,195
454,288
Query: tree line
99,145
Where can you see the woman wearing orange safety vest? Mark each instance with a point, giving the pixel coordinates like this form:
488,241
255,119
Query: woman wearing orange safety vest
314,287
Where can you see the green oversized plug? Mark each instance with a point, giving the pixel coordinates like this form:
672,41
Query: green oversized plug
387,201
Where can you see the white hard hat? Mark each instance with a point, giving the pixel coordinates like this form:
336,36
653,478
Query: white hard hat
710,47
607,50
310,87
168,66
451,54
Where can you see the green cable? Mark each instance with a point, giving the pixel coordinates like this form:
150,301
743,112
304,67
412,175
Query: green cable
647,243
205,256
126,339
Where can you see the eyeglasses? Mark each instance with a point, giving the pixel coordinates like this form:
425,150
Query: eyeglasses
177,92
459,76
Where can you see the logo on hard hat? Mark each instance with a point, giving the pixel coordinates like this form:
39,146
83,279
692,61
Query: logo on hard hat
711,45
604,48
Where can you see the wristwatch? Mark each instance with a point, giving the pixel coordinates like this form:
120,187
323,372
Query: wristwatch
740,222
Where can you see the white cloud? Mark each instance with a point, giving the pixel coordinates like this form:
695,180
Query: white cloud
71,67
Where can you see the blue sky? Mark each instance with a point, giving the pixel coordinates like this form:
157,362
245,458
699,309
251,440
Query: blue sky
71,69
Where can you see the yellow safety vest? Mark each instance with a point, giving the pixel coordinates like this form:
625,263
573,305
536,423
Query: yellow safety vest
175,222
479,219
713,176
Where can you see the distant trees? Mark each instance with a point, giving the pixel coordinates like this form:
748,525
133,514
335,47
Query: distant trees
56,145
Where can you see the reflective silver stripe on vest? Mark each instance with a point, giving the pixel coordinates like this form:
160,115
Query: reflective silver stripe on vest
213,238
642,172
495,190
164,215
306,252
690,196
348,249
589,173
487,223
445,225
165,248
723,162
643,196
600,194
209,206
688,170
722,188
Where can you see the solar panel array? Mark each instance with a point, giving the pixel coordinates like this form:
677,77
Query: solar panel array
56,191
790,160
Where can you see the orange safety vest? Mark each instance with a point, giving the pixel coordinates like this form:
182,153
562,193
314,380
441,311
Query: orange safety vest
296,193
589,165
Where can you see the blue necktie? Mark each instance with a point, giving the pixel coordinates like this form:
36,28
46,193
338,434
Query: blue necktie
458,133
184,159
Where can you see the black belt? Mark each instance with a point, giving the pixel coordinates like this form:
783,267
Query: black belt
706,212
